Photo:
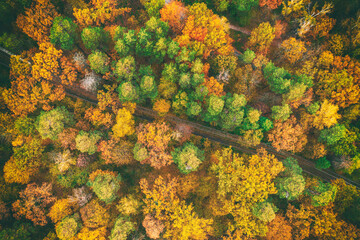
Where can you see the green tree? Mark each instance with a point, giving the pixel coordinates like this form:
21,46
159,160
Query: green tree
290,183
332,135
265,124
245,5
248,56
281,112
99,62
94,38
170,72
86,141
68,227
323,163
153,7
322,194
180,102
105,184
130,39
313,108
50,124
160,49
236,102
122,228
128,92
148,87
278,78
23,231
25,125
188,157
173,49
63,33
265,211
125,68
215,105
229,120
144,44
122,48
184,80
193,109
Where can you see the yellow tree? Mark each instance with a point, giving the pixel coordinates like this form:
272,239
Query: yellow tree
152,146
27,94
125,124
242,183
261,38
37,20
293,49
180,220
99,118
326,116
101,12
205,32
61,208
46,63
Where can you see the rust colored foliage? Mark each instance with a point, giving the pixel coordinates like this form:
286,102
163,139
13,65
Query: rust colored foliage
69,72
162,106
350,65
67,138
37,20
322,27
101,12
153,227
280,28
214,87
155,137
319,223
272,4
33,203
94,215
116,152
174,13
98,117
279,228
108,99
288,135
305,99
205,32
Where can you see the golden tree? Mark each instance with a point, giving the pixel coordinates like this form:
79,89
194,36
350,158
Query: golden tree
243,182
180,220
101,12
261,38
293,49
205,32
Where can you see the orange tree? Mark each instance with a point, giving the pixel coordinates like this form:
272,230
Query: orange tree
205,32
37,20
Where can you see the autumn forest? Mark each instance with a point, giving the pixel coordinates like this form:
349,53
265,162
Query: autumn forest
179,119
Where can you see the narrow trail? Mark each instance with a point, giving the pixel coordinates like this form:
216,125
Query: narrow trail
219,136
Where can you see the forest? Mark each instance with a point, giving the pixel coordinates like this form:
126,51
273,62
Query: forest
179,119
